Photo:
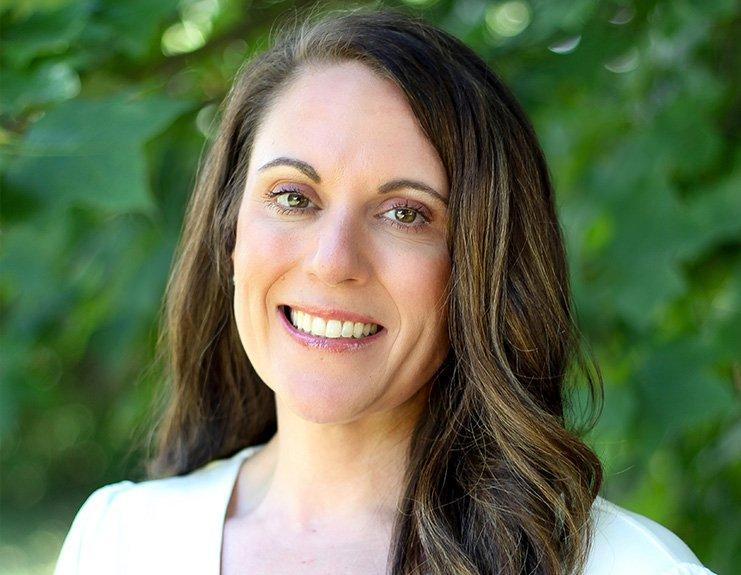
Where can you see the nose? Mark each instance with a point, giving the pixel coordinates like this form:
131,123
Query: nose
338,252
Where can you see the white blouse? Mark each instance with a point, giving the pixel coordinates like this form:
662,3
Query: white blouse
175,525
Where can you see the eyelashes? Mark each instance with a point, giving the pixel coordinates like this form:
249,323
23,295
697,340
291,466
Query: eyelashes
419,213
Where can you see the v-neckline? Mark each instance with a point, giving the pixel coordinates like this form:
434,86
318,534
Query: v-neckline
236,462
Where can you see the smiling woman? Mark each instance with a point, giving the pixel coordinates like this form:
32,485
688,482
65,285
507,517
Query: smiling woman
352,229
370,336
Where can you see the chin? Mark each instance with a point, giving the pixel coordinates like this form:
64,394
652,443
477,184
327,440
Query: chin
318,401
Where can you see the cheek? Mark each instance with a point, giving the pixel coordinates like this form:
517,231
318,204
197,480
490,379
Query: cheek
262,250
417,279
263,254
436,313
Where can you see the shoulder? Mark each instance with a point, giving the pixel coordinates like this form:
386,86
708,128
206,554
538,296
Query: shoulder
82,551
130,527
626,543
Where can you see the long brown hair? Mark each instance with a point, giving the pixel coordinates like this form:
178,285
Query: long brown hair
496,482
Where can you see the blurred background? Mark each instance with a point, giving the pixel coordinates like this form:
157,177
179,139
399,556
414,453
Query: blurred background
107,105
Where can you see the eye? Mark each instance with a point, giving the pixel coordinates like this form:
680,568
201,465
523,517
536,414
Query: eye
403,216
287,201
292,199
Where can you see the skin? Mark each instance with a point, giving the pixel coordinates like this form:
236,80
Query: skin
321,496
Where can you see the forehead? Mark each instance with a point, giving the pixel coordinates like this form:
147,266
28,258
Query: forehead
344,116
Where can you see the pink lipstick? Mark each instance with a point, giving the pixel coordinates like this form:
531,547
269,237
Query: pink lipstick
330,344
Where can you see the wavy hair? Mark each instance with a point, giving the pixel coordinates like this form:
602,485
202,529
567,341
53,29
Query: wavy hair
496,481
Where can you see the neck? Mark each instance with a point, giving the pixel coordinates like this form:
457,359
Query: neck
314,474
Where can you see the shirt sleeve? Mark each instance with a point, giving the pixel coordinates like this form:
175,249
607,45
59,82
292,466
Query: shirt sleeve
687,569
74,558
627,543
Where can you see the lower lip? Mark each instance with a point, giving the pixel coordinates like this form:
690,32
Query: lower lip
333,344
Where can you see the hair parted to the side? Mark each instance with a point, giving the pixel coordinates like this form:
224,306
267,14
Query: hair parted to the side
496,481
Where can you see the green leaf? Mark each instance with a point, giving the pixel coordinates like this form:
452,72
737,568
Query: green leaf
715,212
92,152
678,390
133,25
47,83
43,33
724,334
641,265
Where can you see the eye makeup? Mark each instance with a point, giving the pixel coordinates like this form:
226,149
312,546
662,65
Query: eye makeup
422,215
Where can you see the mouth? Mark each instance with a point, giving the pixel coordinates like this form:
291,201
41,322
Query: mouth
328,328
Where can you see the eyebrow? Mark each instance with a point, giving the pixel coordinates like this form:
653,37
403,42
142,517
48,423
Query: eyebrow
386,188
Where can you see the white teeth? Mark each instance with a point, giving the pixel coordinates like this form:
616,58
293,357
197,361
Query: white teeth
330,328
357,330
318,325
347,329
334,328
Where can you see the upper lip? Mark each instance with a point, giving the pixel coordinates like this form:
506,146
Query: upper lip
333,313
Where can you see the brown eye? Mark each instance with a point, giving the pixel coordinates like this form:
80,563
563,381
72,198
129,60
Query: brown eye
405,215
407,218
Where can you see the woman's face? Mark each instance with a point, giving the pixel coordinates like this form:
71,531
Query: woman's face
335,221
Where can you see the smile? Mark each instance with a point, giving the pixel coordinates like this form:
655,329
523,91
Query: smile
328,334
331,328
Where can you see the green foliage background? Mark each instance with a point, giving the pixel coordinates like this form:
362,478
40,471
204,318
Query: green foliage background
106,107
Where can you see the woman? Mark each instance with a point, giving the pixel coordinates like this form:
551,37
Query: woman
369,328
